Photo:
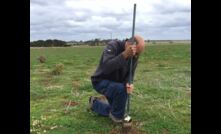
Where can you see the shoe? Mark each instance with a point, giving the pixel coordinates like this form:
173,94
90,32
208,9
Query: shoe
91,101
114,119
102,99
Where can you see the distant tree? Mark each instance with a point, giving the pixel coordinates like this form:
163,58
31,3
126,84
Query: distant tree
96,42
170,41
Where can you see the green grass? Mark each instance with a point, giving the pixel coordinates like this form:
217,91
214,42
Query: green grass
161,99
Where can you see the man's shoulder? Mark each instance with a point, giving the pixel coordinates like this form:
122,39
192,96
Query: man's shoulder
117,44
113,42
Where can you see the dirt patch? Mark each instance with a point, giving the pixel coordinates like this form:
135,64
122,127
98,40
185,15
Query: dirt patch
41,59
119,131
70,103
165,131
134,130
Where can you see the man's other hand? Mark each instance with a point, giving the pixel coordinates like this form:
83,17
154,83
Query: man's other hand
130,88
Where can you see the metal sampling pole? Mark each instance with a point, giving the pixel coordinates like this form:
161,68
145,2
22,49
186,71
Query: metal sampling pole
131,59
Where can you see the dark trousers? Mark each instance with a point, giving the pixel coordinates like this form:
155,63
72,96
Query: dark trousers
116,95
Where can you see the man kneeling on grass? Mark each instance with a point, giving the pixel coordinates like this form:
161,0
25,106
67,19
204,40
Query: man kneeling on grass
111,77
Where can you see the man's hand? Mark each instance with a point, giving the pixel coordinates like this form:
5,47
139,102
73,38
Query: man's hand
130,50
130,88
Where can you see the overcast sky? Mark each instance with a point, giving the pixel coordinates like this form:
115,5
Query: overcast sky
88,19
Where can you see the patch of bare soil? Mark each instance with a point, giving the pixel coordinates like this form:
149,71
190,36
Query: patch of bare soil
165,131
133,130
70,103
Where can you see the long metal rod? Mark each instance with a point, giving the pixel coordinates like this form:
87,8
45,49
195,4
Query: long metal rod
131,60
134,18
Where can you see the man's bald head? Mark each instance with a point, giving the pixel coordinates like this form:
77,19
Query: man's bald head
140,43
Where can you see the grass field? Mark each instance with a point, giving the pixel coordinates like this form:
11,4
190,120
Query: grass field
160,103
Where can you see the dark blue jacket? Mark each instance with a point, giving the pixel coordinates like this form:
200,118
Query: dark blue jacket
113,66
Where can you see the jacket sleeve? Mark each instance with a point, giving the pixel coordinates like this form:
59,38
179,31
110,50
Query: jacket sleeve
111,61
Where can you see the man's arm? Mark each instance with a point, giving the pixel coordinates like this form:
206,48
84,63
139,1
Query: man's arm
110,61
130,87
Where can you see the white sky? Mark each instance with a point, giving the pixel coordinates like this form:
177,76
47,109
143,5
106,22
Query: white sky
88,19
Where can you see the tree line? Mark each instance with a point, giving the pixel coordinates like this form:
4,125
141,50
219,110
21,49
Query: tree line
60,43
48,43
